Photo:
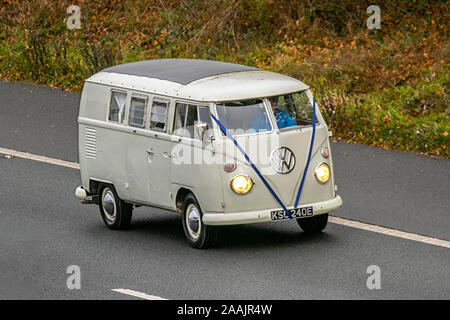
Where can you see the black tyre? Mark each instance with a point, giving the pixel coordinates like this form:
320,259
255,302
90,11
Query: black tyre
115,213
197,234
313,224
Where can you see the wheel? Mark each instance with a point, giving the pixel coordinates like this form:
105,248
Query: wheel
313,224
197,234
115,213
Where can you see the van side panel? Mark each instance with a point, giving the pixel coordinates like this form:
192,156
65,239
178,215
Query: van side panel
101,149
200,175
94,101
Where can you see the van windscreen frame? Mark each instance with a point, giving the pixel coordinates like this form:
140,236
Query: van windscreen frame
290,110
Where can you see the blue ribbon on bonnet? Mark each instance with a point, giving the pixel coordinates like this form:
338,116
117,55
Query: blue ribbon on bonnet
225,131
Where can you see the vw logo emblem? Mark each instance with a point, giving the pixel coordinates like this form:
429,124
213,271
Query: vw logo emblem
282,160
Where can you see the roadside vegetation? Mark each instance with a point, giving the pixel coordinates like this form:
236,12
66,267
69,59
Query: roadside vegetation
387,88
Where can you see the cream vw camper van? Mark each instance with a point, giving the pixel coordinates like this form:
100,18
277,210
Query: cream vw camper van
219,143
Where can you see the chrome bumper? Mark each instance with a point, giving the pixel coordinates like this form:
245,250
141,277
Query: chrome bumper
221,219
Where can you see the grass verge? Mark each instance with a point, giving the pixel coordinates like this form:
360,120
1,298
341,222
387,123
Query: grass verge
387,88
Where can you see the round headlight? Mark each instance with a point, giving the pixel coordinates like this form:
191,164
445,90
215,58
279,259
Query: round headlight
241,184
322,172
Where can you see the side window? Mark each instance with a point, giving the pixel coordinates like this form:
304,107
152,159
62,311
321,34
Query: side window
158,117
186,116
137,112
179,119
191,120
117,106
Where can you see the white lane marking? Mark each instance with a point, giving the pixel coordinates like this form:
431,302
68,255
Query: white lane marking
30,156
138,294
332,219
391,232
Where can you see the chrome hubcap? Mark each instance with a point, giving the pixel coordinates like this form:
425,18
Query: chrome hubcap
109,204
193,221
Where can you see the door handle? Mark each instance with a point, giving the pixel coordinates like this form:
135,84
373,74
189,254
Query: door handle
168,155
150,152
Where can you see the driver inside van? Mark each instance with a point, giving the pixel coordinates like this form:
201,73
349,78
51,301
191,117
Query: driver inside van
283,118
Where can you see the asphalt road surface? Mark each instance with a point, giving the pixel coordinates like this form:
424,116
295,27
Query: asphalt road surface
44,229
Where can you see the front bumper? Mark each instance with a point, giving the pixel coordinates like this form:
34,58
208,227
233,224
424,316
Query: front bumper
222,219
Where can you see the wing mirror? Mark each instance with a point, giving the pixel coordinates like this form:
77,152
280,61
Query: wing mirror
201,128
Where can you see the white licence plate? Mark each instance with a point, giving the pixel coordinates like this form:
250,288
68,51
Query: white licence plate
295,213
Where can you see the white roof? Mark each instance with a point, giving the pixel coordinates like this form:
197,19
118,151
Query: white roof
224,85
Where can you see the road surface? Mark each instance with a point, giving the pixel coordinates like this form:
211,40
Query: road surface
44,229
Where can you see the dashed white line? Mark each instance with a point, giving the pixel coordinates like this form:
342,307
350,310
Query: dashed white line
390,232
138,294
332,219
30,156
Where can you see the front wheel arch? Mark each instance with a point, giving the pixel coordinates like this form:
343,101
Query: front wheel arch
207,234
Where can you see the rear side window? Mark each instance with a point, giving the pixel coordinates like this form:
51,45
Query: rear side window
158,117
186,116
137,112
117,106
